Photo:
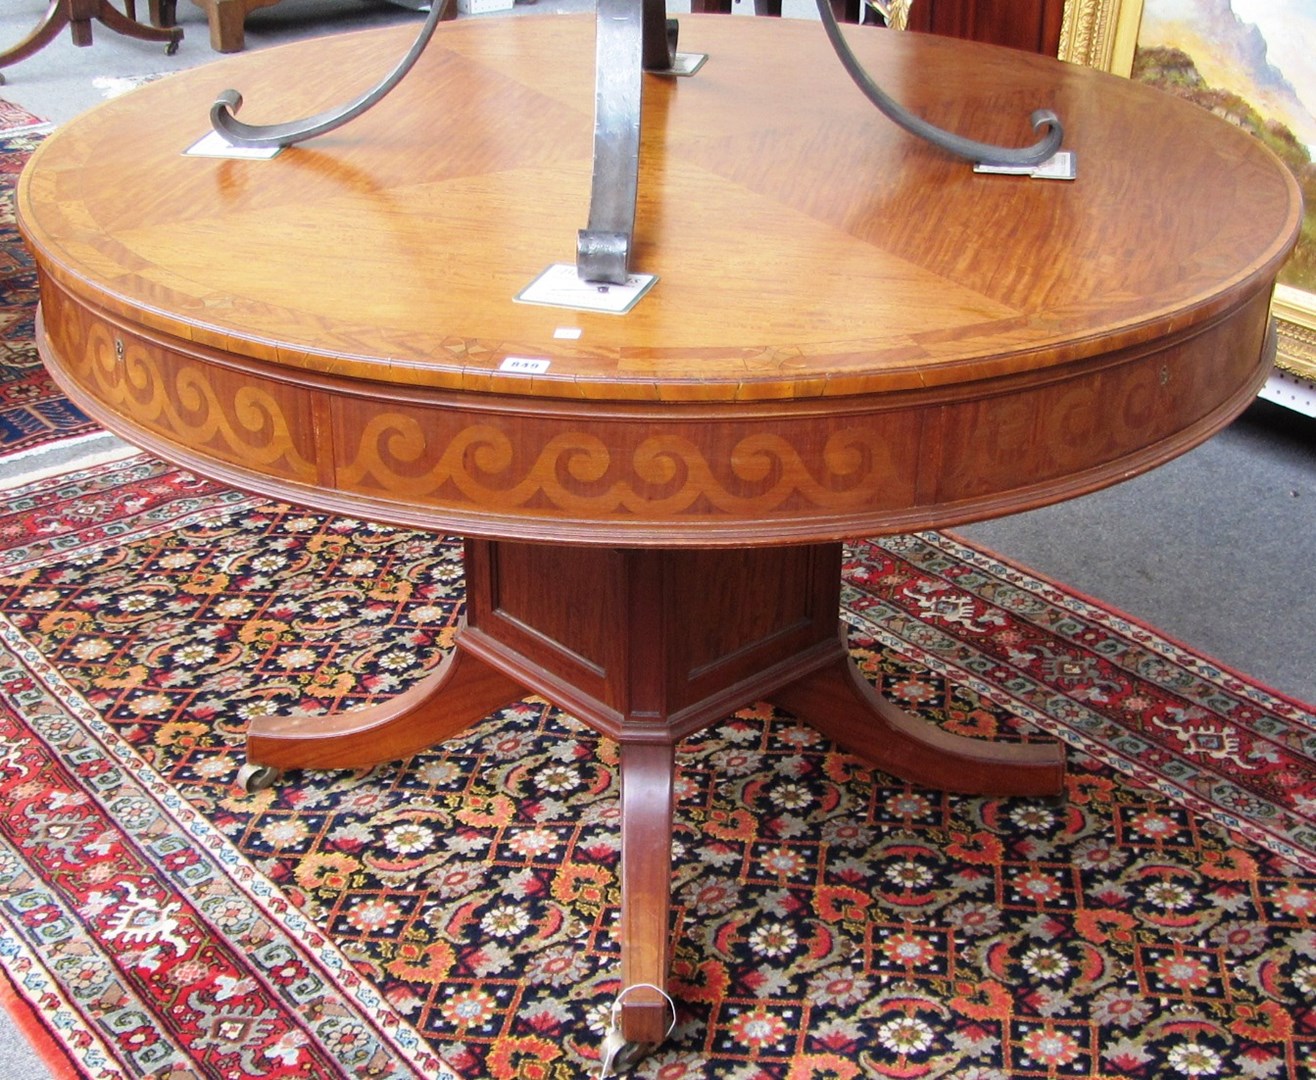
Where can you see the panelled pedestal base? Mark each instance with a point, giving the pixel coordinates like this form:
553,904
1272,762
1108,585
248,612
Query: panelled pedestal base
648,646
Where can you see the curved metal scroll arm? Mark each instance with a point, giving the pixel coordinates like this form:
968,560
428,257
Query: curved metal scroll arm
630,37
294,131
980,152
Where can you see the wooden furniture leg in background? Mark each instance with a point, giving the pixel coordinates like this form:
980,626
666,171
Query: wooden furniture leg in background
227,19
159,12
77,16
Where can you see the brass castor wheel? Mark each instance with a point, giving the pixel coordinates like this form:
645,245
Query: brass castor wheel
171,48
618,1057
253,778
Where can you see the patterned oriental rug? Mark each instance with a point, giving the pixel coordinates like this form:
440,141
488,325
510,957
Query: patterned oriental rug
453,914
16,118
33,412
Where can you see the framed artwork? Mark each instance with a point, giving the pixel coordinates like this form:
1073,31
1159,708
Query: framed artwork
1244,59
1101,33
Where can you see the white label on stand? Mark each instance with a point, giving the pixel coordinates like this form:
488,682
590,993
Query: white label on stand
686,63
560,286
1062,165
215,145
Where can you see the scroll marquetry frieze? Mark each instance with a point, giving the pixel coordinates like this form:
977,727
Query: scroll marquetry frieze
1113,421
452,459
633,465
205,407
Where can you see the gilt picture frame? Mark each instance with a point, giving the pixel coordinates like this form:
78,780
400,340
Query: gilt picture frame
1104,34
1101,33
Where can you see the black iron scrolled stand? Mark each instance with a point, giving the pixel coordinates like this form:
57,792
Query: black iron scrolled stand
969,149
633,36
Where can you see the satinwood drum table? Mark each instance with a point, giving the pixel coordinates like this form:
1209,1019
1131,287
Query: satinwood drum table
851,333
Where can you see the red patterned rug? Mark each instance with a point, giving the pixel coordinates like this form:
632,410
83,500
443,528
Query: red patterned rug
459,907
14,117
33,412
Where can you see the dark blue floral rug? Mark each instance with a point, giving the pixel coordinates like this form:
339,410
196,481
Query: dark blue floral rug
453,914
33,411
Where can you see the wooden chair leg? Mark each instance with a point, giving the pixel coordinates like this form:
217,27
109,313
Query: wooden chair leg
54,20
77,15
163,13
120,24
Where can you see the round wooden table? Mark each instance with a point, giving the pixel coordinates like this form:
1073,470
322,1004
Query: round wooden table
851,333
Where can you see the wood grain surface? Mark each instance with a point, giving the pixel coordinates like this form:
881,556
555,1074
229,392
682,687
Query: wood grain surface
851,332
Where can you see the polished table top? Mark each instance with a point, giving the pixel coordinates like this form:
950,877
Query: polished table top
851,331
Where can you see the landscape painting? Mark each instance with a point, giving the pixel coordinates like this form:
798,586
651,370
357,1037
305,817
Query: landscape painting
1252,62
